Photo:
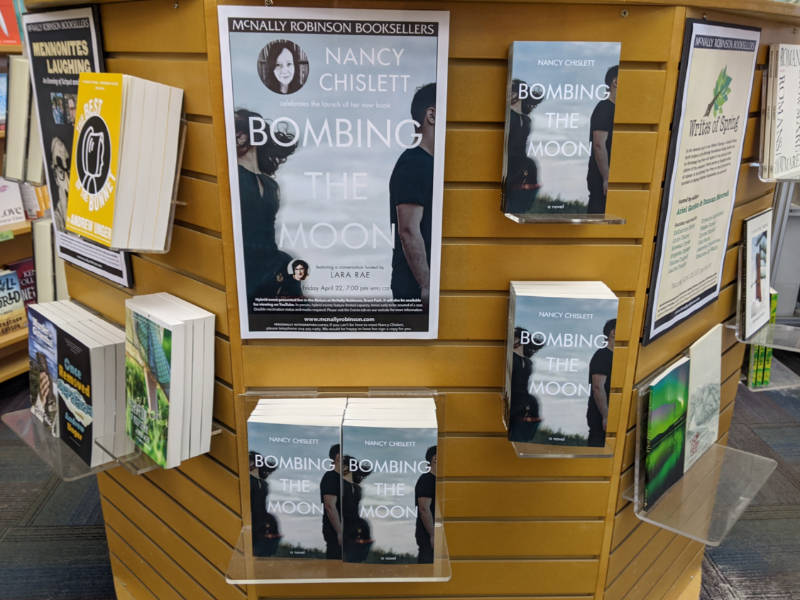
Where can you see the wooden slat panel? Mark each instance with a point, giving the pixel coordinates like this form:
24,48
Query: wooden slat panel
494,457
742,211
132,497
188,74
629,455
475,212
222,359
524,538
215,479
473,412
155,555
725,417
688,584
749,187
94,292
621,587
651,576
17,248
129,581
475,155
647,31
153,26
172,539
199,153
490,499
457,322
223,448
674,570
194,252
139,567
201,203
625,483
750,145
622,556
624,523
470,577
152,277
223,405
482,266
472,93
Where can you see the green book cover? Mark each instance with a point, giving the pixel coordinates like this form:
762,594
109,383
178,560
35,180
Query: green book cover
773,309
750,365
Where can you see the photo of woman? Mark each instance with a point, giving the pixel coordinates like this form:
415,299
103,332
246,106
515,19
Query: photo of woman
259,195
283,66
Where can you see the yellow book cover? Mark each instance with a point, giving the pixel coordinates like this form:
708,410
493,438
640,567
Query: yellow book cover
95,156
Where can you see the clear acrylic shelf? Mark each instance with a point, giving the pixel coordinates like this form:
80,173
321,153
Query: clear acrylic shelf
710,497
60,457
774,335
781,378
135,461
757,165
244,568
575,219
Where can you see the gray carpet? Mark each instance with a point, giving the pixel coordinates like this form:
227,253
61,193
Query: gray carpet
760,558
52,540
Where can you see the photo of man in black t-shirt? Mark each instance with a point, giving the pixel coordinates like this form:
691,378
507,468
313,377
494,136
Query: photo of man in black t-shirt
411,198
330,495
601,129
600,382
425,500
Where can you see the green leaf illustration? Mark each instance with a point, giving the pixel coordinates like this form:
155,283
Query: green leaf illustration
722,89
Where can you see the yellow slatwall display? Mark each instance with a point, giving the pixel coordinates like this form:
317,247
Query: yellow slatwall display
532,528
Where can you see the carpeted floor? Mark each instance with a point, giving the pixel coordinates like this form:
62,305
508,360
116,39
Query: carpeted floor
52,540
760,558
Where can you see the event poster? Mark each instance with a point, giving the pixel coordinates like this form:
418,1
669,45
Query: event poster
702,172
335,126
61,45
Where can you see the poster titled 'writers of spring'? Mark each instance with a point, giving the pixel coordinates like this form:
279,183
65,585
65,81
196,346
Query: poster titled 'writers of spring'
335,127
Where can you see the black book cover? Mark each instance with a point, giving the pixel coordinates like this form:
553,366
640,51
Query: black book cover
75,395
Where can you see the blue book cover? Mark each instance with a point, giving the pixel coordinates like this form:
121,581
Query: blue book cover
42,349
295,489
388,493
558,374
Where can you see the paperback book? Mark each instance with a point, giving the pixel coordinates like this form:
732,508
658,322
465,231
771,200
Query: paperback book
781,131
559,357
389,489
27,278
754,284
702,413
294,484
12,303
43,374
11,207
561,98
665,436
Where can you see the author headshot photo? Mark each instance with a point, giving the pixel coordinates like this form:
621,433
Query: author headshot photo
290,286
600,383
523,418
283,66
601,129
411,203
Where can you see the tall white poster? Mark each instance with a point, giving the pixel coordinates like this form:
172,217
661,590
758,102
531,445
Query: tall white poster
335,125
716,78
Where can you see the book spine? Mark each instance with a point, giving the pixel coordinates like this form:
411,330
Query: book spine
773,308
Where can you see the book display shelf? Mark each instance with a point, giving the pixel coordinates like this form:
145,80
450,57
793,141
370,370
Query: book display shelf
245,568
711,495
575,219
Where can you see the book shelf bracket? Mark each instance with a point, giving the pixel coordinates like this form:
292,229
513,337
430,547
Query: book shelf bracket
709,498
759,168
567,219
52,450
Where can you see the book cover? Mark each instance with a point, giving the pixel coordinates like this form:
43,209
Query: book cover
27,279
702,413
558,375
43,374
786,140
665,440
148,370
95,156
293,468
388,493
336,163
9,28
61,44
75,395
561,98
756,285
12,303
773,309
12,209
3,92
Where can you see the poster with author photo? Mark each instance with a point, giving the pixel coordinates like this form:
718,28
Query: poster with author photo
335,125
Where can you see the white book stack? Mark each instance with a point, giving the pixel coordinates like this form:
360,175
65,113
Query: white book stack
780,128
169,365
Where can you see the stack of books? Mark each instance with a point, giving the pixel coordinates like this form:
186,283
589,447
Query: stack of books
125,161
12,303
362,468
76,377
169,375
780,129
